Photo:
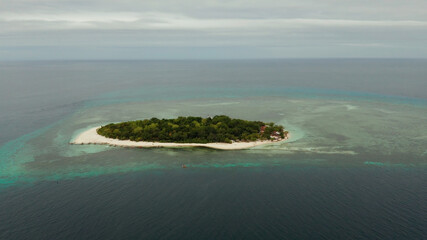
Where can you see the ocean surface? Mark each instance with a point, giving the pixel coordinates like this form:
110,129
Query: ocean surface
354,168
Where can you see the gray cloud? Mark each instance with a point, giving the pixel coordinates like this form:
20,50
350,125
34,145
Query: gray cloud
305,28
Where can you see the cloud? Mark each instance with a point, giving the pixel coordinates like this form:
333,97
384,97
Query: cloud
166,21
339,27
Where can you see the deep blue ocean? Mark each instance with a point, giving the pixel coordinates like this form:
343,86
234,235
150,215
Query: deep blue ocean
354,168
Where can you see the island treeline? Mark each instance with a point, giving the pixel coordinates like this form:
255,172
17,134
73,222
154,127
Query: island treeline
193,130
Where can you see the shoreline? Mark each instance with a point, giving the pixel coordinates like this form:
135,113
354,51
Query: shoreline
92,137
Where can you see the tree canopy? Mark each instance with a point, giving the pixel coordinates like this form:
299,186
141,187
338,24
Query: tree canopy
192,130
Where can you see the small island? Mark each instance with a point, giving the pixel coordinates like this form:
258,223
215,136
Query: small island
220,132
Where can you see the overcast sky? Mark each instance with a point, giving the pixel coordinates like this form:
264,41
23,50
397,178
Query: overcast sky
187,29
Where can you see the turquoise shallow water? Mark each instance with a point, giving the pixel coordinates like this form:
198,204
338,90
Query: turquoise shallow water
358,143
327,128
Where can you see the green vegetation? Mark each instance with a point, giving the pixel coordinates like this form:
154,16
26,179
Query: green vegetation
193,130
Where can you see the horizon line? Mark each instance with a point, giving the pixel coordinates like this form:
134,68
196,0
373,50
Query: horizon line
210,59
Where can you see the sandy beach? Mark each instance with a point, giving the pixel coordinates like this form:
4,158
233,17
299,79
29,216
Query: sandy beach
92,137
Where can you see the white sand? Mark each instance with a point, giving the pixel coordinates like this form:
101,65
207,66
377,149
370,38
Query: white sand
92,137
